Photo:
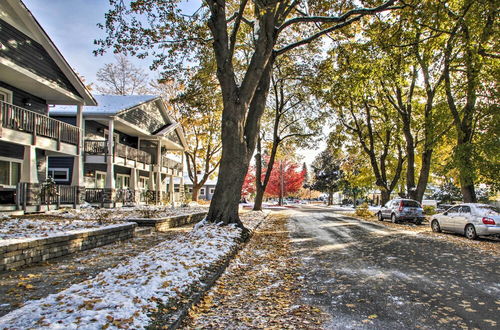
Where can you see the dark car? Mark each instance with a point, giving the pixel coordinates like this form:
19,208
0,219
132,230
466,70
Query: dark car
400,210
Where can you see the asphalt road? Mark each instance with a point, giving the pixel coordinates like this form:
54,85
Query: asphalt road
369,276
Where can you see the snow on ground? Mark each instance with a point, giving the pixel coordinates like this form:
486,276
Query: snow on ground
124,296
32,228
123,213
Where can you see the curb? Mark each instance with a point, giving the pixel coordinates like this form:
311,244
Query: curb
174,321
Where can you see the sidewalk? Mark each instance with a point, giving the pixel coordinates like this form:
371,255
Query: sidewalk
259,288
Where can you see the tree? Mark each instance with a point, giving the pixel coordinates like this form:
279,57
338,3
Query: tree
259,31
122,78
286,179
292,117
469,27
199,113
327,174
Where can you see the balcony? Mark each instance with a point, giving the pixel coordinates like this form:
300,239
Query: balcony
172,164
35,125
126,153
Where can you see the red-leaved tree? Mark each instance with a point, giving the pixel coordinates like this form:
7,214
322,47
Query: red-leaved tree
293,178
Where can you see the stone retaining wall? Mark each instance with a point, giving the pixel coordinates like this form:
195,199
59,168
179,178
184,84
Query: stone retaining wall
16,253
162,224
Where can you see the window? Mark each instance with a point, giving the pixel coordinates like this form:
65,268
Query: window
143,182
410,204
10,172
212,190
5,95
465,209
202,191
454,209
59,174
122,181
100,179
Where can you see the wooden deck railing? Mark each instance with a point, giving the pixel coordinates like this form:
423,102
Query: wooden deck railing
170,163
24,120
96,147
127,152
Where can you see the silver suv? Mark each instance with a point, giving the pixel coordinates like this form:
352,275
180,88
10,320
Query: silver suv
401,209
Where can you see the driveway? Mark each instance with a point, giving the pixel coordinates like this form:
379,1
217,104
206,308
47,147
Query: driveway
369,276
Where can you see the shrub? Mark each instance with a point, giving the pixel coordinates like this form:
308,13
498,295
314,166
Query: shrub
429,209
362,210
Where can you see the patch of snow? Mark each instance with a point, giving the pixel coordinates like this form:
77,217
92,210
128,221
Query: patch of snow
125,295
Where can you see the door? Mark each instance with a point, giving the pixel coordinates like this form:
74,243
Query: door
446,220
461,219
386,210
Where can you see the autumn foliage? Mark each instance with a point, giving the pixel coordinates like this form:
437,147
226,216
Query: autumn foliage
293,178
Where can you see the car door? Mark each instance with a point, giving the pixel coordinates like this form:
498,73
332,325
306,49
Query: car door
460,220
446,219
385,209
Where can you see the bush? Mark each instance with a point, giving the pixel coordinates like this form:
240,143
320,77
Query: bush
429,209
362,211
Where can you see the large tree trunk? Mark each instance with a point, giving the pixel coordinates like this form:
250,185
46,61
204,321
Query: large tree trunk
385,196
424,174
259,198
194,193
410,159
465,170
330,197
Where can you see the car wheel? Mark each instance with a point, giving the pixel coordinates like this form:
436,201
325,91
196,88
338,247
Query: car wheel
394,219
435,226
470,232
379,216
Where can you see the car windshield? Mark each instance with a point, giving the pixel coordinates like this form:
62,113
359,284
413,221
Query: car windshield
410,204
488,210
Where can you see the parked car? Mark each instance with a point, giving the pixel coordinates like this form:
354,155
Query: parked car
470,219
401,209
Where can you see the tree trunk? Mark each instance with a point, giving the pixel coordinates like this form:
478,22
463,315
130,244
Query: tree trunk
385,196
424,174
465,169
259,197
410,160
195,192
330,198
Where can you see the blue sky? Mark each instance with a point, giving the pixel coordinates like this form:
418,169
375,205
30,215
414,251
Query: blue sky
71,24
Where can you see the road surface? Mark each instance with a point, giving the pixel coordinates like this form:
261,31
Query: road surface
369,276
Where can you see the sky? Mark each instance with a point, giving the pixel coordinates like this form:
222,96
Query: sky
72,26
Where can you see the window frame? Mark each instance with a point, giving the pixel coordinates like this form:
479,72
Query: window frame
122,177
9,176
202,192
211,191
58,169
8,94
103,174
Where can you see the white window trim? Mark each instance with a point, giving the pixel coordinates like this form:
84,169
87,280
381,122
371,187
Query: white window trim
59,170
11,160
8,93
212,191
118,175
95,177
202,191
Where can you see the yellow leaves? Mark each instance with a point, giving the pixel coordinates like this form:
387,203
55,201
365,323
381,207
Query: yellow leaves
373,316
351,305
26,286
166,284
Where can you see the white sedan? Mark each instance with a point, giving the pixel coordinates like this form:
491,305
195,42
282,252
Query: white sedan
470,219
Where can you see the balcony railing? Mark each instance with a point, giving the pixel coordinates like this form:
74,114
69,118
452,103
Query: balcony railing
96,147
100,147
132,153
23,120
169,163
